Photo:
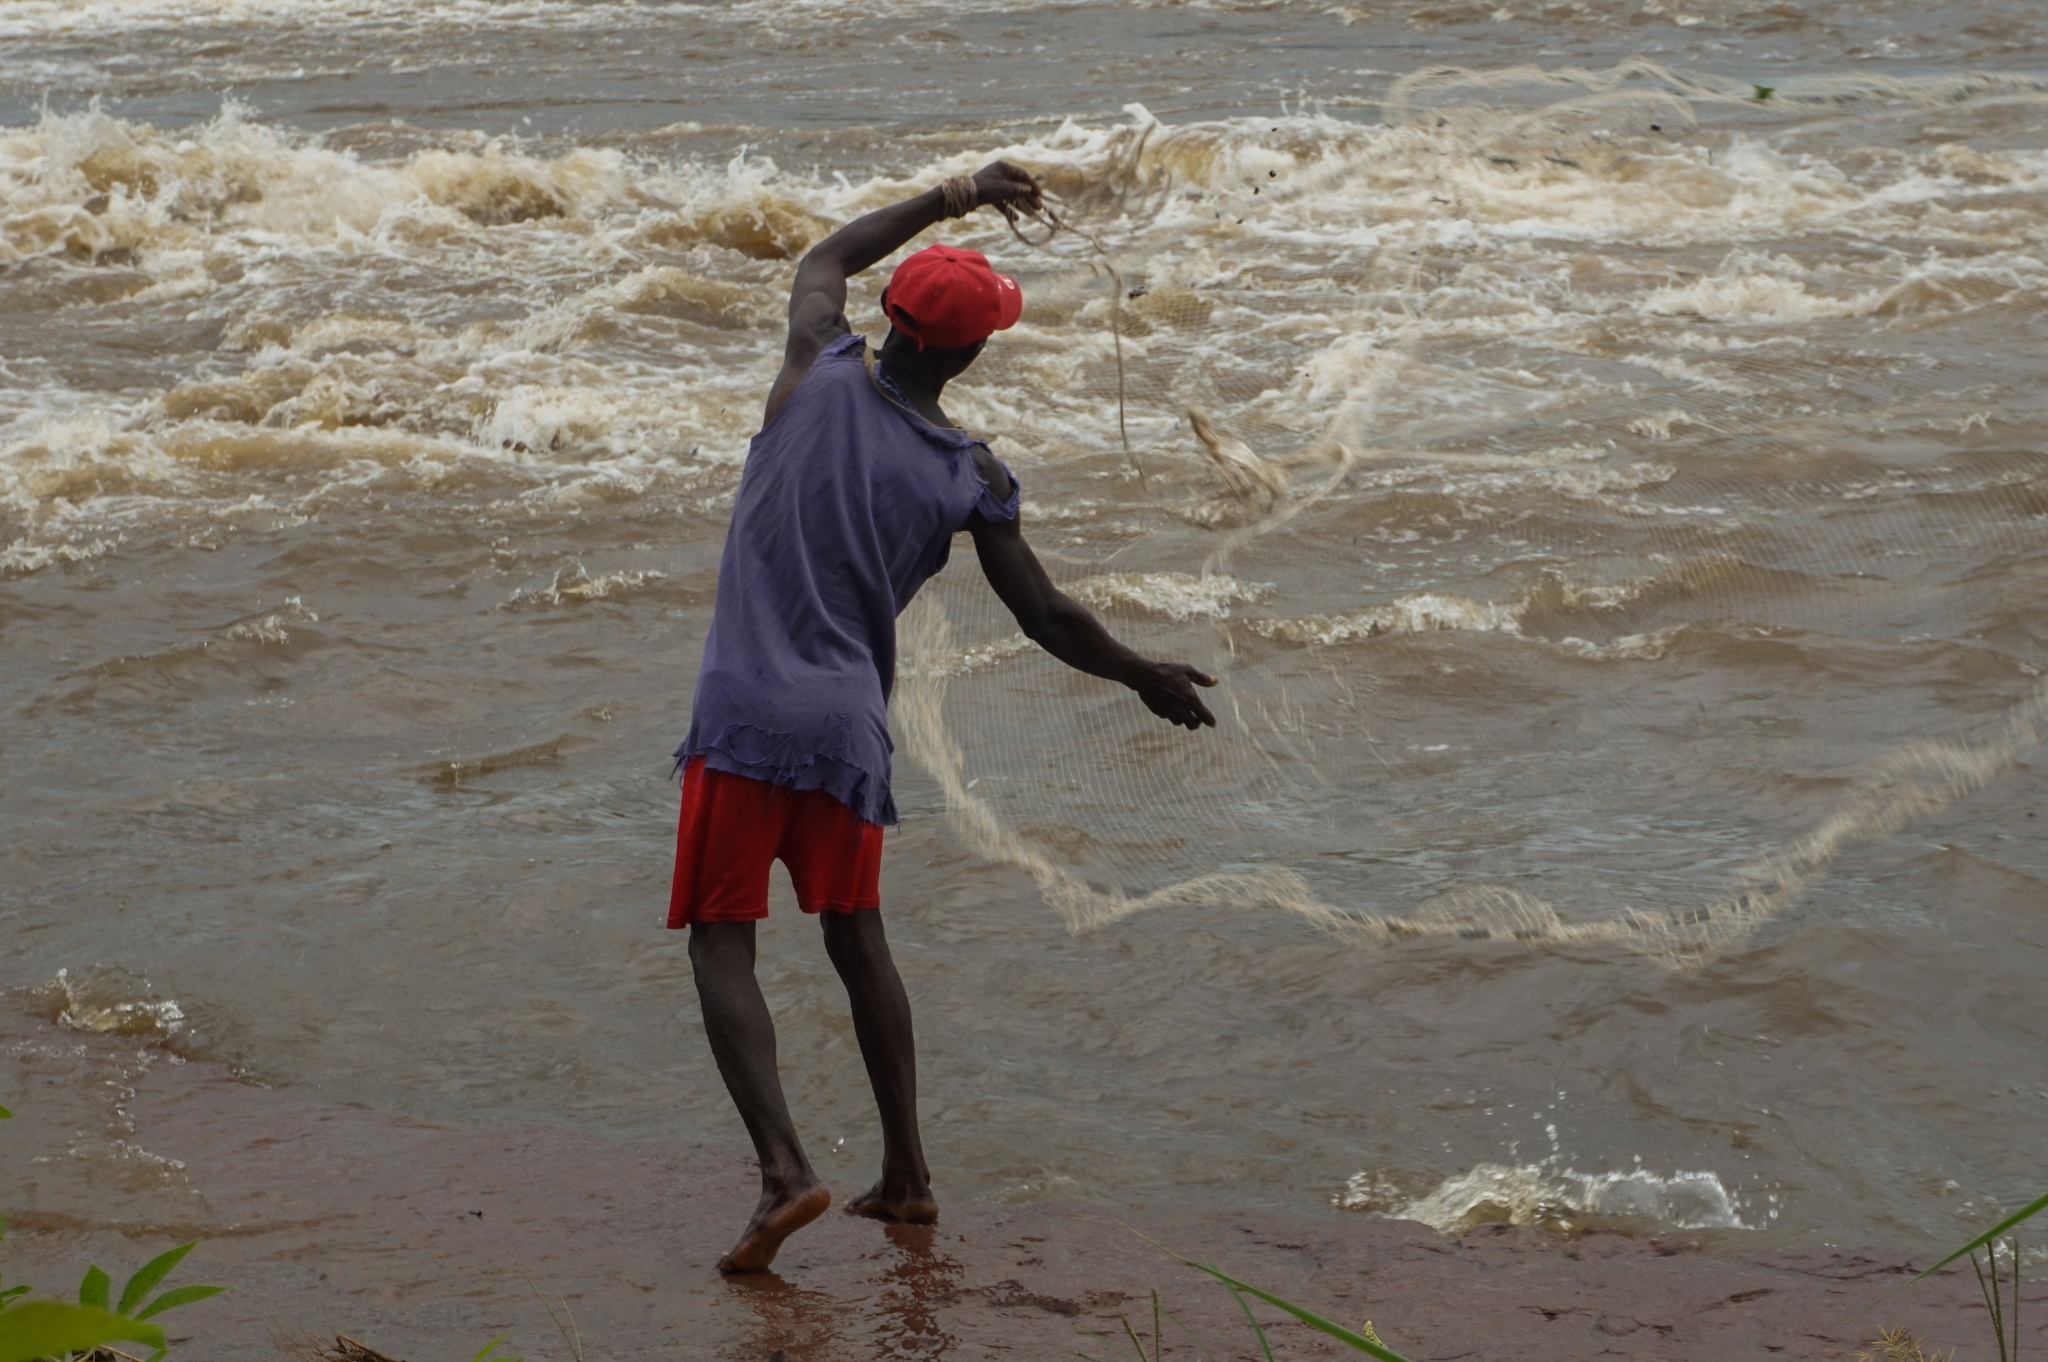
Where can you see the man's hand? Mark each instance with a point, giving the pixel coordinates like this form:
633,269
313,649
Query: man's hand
1001,185
1169,692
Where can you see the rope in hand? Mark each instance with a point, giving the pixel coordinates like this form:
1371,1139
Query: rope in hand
1049,218
1046,217
960,195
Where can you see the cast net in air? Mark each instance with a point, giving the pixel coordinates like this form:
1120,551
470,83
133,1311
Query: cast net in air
1605,497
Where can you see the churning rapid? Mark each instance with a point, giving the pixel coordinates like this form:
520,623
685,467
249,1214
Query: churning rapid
1610,489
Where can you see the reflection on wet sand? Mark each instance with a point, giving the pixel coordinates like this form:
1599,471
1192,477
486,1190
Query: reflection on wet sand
801,1324
915,1287
892,1308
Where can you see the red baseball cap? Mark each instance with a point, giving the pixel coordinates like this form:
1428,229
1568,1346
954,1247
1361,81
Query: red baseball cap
950,298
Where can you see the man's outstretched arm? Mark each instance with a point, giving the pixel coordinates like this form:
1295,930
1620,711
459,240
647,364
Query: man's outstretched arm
1065,628
817,301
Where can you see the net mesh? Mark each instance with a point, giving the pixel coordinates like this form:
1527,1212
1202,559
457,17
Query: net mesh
1603,496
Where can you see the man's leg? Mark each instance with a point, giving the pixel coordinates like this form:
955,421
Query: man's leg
742,1036
881,1020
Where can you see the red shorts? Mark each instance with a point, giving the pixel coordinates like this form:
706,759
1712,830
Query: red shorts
733,828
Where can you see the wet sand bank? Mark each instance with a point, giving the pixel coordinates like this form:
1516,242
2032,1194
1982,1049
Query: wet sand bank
419,1238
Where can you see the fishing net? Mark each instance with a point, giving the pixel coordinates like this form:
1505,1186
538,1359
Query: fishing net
1603,497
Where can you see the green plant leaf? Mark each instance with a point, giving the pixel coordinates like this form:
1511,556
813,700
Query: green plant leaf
93,1290
1764,92
38,1329
490,1351
1305,1315
2031,1209
175,1297
11,1292
148,1275
5,1114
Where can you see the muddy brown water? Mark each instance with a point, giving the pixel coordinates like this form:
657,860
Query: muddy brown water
1666,546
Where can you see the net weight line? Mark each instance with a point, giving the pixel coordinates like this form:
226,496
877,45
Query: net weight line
1919,780
1886,794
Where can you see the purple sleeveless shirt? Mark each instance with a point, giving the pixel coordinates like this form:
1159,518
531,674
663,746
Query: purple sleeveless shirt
847,505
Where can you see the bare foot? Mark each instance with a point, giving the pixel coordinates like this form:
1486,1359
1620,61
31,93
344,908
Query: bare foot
777,1217
898,1207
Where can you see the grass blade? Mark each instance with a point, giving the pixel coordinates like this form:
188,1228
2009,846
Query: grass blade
1305,1315
571,1336
148,1275
1252,1320
1369,1346
1990,1303
489,1352
1193,1337
2032,1208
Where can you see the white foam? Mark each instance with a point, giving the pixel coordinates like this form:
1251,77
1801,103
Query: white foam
1177,595
270,628
1629,647
540,391
576,585
50,18
1550,1195
1754,297
22,556
979,657
1425,612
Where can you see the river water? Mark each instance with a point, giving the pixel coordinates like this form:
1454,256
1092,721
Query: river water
1639,682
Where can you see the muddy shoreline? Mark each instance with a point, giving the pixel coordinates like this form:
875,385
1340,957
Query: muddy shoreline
421,1238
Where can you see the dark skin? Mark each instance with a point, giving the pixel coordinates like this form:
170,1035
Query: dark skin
736,1018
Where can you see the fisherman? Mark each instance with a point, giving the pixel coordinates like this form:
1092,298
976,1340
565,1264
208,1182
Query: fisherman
851,495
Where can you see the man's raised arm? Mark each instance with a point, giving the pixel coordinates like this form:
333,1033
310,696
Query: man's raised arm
817,300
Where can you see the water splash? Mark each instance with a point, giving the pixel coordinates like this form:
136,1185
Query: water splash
104,1002
1552,1196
